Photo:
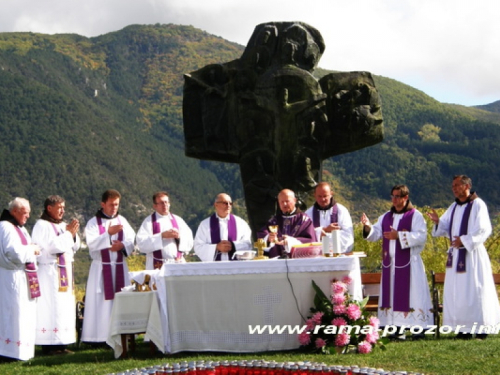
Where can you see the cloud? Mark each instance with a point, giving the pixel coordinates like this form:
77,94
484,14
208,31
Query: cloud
447,49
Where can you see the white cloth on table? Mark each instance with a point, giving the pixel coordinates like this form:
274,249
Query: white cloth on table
17,309
148,243
470,297
251,292
343,219
56,309
203,246
134,312
420,299
97,309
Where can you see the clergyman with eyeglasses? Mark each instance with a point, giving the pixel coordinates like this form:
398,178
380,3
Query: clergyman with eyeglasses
220,235
163,236
404,298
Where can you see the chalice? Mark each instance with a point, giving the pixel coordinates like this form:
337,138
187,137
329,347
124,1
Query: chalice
273,229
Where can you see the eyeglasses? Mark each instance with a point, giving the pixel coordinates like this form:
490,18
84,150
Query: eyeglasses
397,196
226,203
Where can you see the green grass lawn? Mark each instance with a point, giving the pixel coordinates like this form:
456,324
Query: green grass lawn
429,356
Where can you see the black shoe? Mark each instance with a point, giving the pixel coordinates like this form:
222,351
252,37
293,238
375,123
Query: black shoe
463,336
481,336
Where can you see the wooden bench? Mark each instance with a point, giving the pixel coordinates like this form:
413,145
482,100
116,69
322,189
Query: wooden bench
437,279
371,288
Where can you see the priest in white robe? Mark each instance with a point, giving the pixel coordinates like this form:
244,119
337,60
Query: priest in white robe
19,287
163,236
110,239
219,236
470,298
404,298
56,305
329,216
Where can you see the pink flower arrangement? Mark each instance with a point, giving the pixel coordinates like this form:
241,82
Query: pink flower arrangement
320,342
339,323
364,347
353,311
347,280
304,338
372,337
342,339
316,318
338,299
339,309
338,288
374,322
310,324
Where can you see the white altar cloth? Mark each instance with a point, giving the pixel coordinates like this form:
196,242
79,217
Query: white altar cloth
134,312
209,306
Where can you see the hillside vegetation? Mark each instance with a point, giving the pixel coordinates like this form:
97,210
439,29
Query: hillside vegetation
80,115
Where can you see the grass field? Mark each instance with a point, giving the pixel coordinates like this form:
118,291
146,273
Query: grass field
429,356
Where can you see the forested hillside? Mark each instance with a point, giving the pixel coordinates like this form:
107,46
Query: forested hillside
80,115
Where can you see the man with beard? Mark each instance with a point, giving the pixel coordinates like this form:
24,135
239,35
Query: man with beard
328,216
470,297
404,293
56,306
110,239
293,227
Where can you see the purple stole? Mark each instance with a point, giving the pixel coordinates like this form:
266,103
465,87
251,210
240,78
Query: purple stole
61,265
30,269
334,217
401,292
463,230
107,272
157,254
232,233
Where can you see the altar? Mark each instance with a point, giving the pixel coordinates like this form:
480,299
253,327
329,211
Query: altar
247,306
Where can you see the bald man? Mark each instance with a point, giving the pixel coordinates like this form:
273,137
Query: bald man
219,236
294,227
328,216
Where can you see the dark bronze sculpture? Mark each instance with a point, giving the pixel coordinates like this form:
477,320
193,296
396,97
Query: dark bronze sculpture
267,112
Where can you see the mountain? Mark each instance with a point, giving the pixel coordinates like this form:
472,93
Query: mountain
80,115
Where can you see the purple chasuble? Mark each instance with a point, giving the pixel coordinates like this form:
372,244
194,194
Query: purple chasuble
402,269
232,234
61,266
464,226
107,272
334,217
157,254
298,226
30,269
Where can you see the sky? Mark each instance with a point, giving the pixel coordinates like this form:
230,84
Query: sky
449,49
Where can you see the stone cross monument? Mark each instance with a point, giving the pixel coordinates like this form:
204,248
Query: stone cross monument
269,113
